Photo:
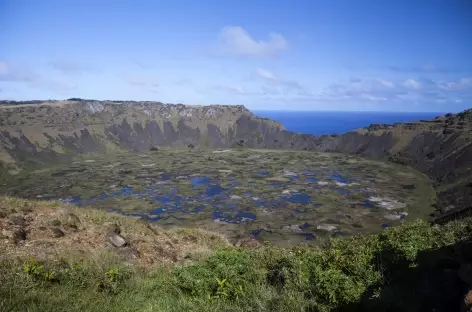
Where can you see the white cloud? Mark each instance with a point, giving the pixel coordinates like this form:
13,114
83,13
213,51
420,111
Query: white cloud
412,84
400,92
9,73
237,41
144,65
4,68
32,79
460,84
386,83
283,86
267,75
59,87
373,98
70,67
430,68
357,89
231,89
183,82
149,84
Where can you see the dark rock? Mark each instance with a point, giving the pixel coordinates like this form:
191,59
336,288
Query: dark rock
18,235
190,146
116,239
3,214
17,220
408,186
448,131
73,227
57,233
73,221
112,227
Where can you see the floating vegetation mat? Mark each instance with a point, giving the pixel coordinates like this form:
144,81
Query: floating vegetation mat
286,197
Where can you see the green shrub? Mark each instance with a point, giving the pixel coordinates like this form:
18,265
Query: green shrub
404,243
340,272
281,272
33,268
333,287
38,271
77,275
225,274
113,279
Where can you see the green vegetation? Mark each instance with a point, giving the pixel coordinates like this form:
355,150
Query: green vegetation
334,190
357,273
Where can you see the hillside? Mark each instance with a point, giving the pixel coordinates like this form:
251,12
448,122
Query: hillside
56,256
55,130
51,131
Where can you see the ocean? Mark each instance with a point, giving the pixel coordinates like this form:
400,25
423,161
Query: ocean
324,122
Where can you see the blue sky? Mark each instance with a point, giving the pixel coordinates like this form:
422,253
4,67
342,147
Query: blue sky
297,55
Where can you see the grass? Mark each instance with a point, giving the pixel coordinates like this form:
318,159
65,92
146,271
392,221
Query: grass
343,274
151,244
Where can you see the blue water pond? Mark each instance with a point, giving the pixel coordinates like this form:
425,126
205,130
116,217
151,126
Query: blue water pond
199,181
299,198
211,197
338,178
215,190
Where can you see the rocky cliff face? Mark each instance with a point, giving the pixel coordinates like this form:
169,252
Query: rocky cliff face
50,131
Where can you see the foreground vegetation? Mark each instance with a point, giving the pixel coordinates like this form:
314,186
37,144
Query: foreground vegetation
397,270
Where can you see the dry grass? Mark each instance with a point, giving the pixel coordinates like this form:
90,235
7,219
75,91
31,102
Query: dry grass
148,244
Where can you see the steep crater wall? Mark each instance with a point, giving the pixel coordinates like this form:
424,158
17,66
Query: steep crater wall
50,131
